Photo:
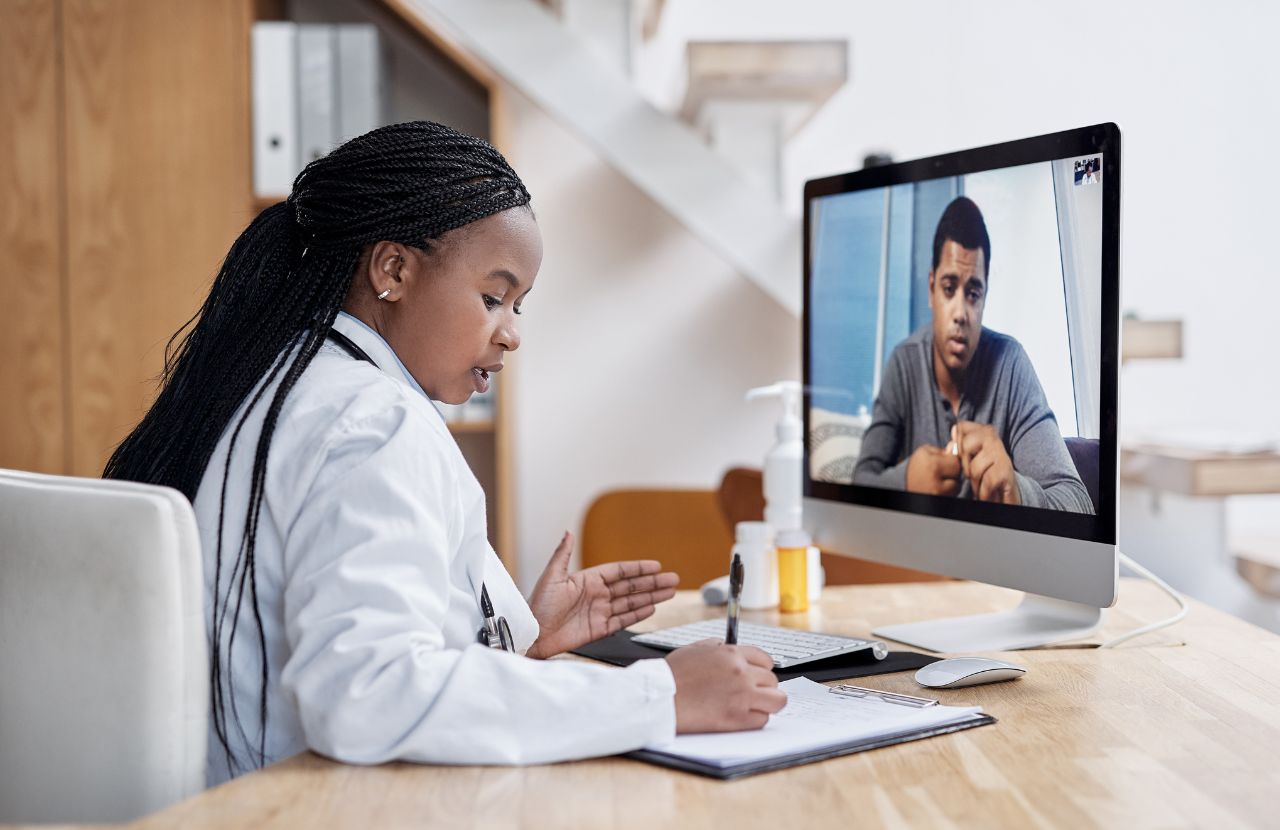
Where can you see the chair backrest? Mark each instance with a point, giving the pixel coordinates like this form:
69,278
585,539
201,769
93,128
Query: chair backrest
1084,454
682,529
104,677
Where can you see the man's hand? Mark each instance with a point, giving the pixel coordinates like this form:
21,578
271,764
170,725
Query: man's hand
574,609
933,471
986,463
722,688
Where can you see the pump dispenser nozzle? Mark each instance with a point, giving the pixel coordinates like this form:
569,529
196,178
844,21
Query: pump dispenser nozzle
789,392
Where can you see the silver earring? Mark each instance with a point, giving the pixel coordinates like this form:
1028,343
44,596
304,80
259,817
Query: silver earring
384,294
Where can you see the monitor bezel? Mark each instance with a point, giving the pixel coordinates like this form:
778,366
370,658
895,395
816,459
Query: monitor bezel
1099,138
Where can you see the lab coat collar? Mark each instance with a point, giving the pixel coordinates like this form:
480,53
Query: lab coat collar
377,348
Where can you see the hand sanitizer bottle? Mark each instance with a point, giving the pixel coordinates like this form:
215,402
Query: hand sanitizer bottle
782,490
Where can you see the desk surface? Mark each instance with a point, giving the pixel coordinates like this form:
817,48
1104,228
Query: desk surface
1178,728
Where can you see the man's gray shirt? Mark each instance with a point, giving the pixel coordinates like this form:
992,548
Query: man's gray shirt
1001,390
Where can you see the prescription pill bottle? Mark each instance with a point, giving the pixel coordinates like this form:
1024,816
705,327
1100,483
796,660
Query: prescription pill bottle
754,544
817,576
793,570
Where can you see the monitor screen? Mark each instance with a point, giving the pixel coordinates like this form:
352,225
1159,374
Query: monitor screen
961,335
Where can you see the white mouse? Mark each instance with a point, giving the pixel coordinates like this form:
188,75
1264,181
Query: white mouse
966,671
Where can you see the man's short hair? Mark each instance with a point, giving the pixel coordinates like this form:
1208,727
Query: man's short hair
962,223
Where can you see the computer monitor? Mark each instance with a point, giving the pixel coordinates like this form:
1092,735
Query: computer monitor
961,353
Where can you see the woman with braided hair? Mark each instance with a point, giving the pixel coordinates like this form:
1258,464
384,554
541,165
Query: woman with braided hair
351,594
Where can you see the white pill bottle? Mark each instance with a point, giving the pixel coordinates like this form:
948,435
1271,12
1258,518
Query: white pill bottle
754,544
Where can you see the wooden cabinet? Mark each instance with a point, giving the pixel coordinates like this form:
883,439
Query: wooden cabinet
125,175
33,394
123,183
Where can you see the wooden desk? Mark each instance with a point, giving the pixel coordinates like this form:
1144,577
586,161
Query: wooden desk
1179,728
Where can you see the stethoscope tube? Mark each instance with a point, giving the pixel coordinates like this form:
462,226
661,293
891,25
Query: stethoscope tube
348,345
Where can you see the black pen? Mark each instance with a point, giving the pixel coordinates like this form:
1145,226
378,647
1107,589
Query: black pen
735,591
486,608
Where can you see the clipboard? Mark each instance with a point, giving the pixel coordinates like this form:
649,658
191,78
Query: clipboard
943,720
733,773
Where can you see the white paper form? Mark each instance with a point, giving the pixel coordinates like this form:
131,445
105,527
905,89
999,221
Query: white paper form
812,720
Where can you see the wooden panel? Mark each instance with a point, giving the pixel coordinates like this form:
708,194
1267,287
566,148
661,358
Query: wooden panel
33,378
508,392
478,449
157,120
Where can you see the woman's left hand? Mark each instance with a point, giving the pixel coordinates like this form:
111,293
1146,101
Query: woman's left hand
575,609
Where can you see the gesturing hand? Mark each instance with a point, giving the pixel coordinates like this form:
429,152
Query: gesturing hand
574,609
934,471
986,463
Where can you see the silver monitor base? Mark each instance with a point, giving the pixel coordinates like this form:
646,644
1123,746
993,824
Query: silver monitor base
1036,621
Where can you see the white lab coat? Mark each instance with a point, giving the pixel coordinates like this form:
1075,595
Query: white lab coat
371,550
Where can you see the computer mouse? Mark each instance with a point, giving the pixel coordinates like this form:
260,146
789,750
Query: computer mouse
955,672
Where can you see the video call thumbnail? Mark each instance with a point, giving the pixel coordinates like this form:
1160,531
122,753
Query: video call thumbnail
955,335
1089,171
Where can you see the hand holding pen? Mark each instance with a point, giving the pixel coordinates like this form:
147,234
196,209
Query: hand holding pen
724,688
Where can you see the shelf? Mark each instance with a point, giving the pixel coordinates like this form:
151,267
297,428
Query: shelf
1194,472
470,427
261,203
1151,340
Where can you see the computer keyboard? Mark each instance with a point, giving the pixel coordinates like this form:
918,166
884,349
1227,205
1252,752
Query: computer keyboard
787,646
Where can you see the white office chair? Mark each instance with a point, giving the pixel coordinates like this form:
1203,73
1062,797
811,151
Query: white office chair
104,678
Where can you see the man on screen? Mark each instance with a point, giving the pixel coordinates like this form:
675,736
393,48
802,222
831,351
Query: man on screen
960,411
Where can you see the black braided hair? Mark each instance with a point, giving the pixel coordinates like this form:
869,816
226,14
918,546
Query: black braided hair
270,308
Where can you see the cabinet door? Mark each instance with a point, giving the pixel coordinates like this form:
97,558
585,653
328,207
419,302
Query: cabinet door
32,337
157,167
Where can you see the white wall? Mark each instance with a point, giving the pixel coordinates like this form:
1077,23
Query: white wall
1190,83
639,340
1024,289
1185,80
638,345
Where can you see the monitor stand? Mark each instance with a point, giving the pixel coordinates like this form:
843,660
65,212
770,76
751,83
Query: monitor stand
1036,621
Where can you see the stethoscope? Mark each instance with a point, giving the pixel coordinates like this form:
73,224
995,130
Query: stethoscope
348,345
494,633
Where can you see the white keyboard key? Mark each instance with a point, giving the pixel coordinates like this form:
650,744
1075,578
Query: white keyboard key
788,647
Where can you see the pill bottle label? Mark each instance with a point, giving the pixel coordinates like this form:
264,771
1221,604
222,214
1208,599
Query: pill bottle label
793,580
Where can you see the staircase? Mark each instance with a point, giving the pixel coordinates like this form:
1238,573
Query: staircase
526,47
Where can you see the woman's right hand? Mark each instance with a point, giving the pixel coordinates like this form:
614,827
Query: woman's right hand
722,688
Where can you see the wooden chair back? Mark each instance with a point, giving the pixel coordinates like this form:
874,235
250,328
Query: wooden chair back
683,529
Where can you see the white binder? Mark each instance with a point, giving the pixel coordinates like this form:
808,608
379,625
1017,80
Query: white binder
317,91
275,108
360,89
